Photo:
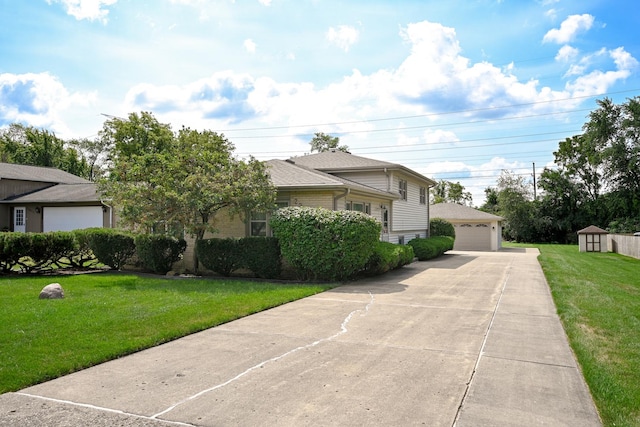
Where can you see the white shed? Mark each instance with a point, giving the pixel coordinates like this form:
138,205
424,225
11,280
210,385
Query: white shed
592,239
475,230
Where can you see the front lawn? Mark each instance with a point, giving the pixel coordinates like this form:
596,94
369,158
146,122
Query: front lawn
598,300
105,316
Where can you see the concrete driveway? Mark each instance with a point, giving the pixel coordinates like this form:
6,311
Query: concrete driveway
470,339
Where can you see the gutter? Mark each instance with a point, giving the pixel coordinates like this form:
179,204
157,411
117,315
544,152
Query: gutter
340,196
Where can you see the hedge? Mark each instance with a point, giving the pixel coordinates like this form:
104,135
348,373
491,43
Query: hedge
261,255
34,251
112,247
431,247
441,227
158,252
388,256
322,244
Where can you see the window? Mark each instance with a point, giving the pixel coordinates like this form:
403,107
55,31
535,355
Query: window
259,224
423,196
358,206
402,188
259,221
401,240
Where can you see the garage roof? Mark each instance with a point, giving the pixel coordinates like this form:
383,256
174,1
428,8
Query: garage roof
454,211
38,173
61,193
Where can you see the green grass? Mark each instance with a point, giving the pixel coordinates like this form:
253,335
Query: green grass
598,300
105,316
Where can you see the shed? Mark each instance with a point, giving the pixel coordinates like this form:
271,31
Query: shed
475,230
592,239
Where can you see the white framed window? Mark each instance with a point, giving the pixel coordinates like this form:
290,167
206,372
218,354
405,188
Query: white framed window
402,189
423,196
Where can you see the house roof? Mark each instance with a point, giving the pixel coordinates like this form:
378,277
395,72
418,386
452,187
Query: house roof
288,175
334,161
592,229
454,211
38,173
61,193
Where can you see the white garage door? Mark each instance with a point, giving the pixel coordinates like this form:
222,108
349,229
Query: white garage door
71,218
472,237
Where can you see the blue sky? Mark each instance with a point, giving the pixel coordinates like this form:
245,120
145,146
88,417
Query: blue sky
453,89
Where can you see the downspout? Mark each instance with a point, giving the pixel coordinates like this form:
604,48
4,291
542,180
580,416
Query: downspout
340,196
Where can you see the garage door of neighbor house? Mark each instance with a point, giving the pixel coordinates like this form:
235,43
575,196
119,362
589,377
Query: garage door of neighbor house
473,237
71,218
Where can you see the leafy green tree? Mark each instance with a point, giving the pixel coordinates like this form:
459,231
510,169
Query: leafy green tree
490,204
563,200
186,178
450,192
27,145
322,142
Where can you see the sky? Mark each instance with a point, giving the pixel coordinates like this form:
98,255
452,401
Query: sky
456,90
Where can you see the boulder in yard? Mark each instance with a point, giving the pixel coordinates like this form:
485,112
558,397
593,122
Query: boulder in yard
52,291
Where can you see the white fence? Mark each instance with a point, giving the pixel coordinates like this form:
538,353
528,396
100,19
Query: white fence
624,244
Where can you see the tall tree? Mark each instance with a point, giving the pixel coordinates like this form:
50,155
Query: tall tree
27,145
322,142
450,192
186,178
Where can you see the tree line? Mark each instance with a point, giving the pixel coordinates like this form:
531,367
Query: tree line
161,176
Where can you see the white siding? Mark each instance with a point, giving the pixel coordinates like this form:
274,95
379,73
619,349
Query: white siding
409,214
378,180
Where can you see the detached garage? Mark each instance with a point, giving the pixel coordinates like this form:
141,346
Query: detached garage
475,230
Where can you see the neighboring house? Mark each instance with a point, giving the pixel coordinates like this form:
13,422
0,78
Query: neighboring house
396,195
36,199
475,230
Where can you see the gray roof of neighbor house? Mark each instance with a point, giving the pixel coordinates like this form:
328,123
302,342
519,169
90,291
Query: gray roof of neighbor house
38,173
454,211
287,175
60,193
335,161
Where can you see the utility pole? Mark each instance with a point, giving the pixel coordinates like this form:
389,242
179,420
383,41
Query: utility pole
534,181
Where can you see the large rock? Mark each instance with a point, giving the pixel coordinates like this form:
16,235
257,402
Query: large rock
52,291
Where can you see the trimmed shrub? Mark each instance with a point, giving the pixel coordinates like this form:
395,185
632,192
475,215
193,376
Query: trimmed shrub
35,251
388,256
432,247
261,255
83,256
112,247
441,227
323,244
158,252
219,255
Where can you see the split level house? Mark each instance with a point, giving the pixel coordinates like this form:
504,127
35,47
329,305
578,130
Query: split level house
37,199
394,194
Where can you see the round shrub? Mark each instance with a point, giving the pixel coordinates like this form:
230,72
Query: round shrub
158,252
441,227
112,247
262,256
431,247
323,244
219,255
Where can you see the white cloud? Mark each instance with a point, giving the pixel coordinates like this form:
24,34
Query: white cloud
38,100
569,29
249,46
265,2
343,36
86,9
567,53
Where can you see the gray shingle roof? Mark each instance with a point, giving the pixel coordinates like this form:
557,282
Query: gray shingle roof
38,173
287,175
592,229
338,161
453,211
61,193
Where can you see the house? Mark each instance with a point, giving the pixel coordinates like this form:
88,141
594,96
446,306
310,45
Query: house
475,230
36,199
394,194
